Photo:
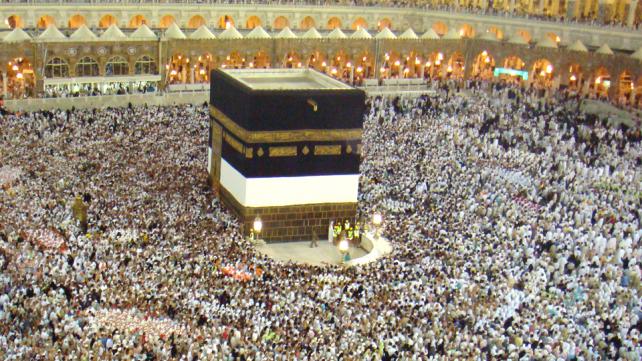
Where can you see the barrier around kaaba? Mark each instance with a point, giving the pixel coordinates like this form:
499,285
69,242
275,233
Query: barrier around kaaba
284,145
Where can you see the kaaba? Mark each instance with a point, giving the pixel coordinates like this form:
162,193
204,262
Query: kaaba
284,145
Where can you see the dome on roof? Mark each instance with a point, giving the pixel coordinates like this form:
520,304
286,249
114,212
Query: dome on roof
336,34
578,46
408,34
202,33
52,34
361,33
258,33
230,33
386,33
430,34
17,35
143,33
286,33
312,33
82,34
113,33
604,50
174,32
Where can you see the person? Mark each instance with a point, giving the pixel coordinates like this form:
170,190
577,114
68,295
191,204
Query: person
79,209
315,239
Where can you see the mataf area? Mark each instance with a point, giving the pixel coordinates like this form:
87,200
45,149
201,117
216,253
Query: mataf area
514,219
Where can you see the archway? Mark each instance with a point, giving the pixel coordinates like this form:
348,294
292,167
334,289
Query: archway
515,63
364,66
15,21
116,66
202,68
318,61
413,63
145,65
467,31
359,23
87,66
525,34
177,69
196,22
166,21
45,21
483,66
292,60
233,61
455,68
440,28
340,65
307,23
602,83
57,68
280,22
542,73
333,23
225,22
626,88
252,22
137,21
384,23
20,78
575,77
107,21
76,21
433,65
554,37
261,60
391,65
497,31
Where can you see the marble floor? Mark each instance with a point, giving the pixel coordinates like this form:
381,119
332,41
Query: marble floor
300,252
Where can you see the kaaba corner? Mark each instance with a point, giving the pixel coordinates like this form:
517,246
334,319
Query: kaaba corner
284,145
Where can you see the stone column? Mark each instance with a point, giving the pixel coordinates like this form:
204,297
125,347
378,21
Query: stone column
540,10
576,9
555,8
4,84
630,17
512,6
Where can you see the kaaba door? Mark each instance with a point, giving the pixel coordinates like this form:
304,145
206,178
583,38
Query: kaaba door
216,133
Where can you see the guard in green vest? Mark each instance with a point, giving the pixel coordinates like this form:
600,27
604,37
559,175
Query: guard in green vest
357,232
79,211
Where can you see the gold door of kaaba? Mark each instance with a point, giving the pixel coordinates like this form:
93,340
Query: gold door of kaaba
216,145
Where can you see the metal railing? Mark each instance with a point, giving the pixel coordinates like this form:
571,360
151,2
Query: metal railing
382,4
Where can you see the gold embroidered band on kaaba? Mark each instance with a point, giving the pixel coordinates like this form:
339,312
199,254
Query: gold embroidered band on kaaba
284,136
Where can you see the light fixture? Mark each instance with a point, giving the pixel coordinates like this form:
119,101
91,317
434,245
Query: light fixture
397,63
440,56
377,219
360,69
344,246
14,67
349,65
449,69
549,68
257,225
573,77
19,76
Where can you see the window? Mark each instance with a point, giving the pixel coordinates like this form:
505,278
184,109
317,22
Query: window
56,68
117,66
145,65
87,67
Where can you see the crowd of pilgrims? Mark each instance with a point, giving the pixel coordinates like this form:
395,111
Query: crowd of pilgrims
515,222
